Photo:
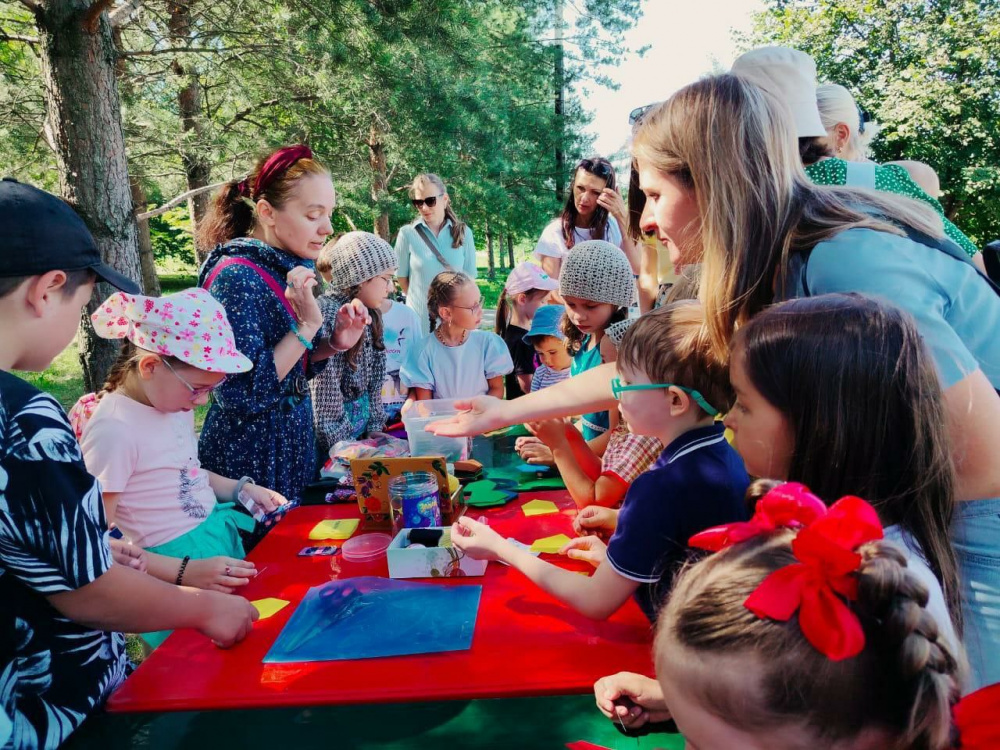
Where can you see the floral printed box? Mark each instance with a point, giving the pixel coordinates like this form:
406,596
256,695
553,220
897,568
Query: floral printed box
429,562
371,481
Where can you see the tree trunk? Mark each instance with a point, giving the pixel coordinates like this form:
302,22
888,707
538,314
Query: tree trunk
492,274
84,115
150,281
510,249
380,177
560,84
197,170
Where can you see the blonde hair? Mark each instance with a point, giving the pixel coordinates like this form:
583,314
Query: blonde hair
837,105
420,182
733,146
903,682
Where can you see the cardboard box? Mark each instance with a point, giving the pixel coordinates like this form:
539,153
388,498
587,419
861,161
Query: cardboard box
373,475
430,562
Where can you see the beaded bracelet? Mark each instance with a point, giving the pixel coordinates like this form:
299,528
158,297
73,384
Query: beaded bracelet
302,339
180,573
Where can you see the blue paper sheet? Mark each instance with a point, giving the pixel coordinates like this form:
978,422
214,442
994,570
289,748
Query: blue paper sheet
369,617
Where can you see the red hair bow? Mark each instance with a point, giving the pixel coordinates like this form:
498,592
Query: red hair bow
277,164
817,585
787,505
977,719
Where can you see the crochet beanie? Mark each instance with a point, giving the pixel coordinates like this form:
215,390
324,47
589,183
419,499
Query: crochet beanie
616,331
357,257
598,271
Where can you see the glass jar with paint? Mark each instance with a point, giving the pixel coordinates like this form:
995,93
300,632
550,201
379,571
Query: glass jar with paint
415,501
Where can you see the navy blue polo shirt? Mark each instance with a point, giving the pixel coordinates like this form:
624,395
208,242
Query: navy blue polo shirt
698,481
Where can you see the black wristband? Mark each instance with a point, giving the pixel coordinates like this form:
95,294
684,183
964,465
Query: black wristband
180,573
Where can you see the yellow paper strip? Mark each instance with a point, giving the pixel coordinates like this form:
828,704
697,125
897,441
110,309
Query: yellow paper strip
550,544
334,529
539,508
268,607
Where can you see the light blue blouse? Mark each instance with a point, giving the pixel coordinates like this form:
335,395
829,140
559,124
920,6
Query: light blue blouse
418,264
957,312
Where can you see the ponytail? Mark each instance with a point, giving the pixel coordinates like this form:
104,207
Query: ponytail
503,314
273,179
457,228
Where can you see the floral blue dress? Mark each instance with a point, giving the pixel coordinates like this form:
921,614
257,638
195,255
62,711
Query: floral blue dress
260,427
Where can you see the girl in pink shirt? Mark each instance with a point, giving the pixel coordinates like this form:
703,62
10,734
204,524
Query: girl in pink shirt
139,440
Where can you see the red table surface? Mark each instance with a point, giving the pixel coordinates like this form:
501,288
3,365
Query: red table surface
525,643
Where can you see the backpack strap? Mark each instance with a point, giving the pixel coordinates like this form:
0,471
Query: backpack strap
426,237
268,279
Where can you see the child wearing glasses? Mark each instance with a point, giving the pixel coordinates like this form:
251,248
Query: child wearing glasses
139,440
347,394
670,388
457,360
436,241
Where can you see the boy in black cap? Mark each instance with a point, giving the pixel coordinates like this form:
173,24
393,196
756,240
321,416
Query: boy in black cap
63,599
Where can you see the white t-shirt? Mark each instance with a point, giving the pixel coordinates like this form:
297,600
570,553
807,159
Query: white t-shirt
551,244
402,334
151,458
457,371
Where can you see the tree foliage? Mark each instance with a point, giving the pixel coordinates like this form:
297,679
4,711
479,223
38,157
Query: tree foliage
929,70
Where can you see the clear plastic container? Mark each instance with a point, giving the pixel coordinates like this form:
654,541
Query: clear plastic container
366,548
422,443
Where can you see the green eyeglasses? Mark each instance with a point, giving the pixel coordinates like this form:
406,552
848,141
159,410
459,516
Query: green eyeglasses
618,388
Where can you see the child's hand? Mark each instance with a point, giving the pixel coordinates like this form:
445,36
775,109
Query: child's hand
630,699
538,453
128,554
228,619
299,293
350,323
222,574
521,442
476,416
587,548
596,520
476,539
265,499
552,432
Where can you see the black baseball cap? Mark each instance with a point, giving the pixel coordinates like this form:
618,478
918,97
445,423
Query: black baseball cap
40,232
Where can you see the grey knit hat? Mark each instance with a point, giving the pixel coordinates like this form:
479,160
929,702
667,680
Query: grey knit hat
598,271
357,257
616,331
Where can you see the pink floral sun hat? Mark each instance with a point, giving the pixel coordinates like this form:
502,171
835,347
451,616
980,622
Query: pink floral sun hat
190,325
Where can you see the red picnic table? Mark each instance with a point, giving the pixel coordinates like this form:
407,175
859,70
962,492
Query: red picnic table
526,643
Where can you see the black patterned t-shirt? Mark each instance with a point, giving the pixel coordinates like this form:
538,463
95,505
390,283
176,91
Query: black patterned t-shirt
53,538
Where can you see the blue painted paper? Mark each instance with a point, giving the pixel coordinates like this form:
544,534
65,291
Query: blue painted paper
370,617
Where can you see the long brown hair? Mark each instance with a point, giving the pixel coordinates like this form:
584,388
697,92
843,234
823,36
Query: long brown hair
602,169
233,210
457,226
765,673
825,361
756,206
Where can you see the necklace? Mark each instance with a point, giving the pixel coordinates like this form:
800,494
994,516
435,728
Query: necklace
440,337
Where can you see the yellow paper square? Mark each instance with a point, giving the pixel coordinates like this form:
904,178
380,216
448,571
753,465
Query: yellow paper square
269,606
334,529
550,544
539,508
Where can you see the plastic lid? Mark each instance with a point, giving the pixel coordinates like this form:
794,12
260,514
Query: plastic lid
365,548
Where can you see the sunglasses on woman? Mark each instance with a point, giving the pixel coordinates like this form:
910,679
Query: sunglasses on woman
431,201
597,168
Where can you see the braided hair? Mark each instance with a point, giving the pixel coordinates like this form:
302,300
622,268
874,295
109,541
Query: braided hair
901,685
442,292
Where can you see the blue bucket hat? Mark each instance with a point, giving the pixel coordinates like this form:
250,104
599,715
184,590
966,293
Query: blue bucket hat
545,323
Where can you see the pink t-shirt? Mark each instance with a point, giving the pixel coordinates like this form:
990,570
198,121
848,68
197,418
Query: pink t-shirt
151,458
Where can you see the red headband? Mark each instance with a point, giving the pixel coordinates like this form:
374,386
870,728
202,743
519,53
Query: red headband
824,577
277,164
